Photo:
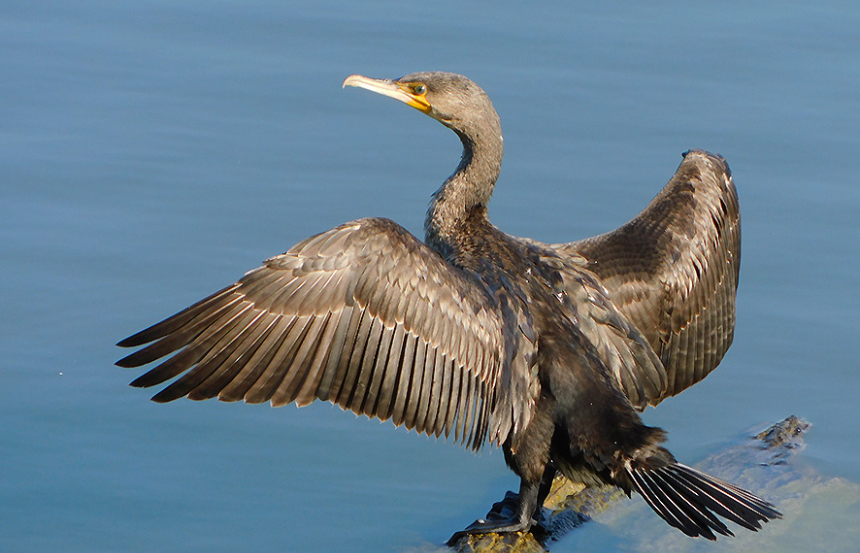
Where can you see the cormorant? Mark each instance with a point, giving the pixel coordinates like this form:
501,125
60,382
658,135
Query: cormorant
545,350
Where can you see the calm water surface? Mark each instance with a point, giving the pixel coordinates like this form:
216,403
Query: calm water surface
151,152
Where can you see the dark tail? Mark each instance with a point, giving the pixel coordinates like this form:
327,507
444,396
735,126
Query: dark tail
689,500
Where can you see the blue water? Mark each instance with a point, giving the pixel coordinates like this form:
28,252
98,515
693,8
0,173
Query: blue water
151,152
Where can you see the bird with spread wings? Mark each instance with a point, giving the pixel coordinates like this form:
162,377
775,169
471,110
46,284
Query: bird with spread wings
548,350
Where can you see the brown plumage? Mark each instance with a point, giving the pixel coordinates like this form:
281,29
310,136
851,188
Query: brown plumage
546,350
673,270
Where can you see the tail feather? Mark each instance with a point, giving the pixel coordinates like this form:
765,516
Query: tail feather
728,500
689,500
687,516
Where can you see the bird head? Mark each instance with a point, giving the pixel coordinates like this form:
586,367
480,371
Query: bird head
452,99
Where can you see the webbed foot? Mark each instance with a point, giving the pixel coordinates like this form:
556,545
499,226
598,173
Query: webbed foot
491,527
502,519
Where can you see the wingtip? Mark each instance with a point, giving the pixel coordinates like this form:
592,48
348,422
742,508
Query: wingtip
166,395
130,342
139,382
127,362
136,359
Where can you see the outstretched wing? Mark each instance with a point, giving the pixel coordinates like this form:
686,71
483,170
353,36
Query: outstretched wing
673,270
365,316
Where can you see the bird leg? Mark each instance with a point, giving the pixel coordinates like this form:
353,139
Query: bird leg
529,504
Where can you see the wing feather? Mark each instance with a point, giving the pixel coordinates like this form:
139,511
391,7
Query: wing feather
673,269
455,396
416,386
365,369
239,386
364,316
401,391
391,375
436,372
239,347
264,389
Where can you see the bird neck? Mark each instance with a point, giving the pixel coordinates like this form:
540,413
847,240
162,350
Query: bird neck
461,203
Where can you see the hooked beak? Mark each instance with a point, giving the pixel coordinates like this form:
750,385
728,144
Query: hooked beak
392,89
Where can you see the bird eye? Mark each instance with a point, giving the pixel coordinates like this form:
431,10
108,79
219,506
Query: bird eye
419,89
